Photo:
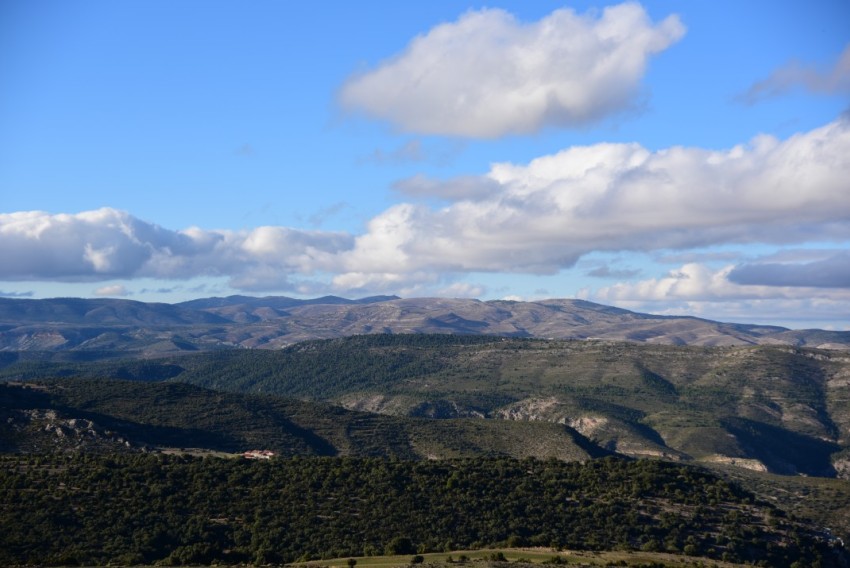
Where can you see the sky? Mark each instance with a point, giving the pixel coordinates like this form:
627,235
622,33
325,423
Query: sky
669,157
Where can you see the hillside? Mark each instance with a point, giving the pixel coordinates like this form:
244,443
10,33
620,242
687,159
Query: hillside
109,325
76,417
103,416
127,510
768,408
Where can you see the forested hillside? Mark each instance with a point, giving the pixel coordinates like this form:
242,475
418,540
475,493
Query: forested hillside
777,409
743,411
107,416
139,508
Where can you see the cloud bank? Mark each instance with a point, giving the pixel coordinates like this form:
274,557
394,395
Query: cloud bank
699,282
697,289
831,272
107,244
543,216
487,75
538,218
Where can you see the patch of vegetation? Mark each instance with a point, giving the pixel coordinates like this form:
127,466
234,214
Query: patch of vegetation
131,509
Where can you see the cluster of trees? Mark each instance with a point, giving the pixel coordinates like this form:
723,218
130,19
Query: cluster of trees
146,508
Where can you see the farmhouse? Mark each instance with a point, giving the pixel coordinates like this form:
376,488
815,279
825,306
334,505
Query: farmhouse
258,455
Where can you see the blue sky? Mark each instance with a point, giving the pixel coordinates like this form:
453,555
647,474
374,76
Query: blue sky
669,157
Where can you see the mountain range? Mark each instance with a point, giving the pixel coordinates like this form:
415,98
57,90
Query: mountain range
74,324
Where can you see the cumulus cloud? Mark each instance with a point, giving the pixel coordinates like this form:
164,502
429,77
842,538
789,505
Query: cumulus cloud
115,290
830,272
96,245
487,75
540,218
543,216
689,282
106,244
696,289
700,282
795,75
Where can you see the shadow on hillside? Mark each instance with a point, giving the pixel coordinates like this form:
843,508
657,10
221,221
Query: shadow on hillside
781,450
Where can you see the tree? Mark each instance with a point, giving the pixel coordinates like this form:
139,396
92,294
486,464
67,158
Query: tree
399,545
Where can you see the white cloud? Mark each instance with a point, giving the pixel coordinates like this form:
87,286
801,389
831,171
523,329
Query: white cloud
536,218
112,290
798,287
689,282
543,216
487,75
795,75
106,244
93,245
695,289
462,290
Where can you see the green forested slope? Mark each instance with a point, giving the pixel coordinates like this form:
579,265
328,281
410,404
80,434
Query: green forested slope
148,508
775,408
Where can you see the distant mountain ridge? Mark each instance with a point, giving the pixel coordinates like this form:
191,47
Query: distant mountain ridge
275,322
278,302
